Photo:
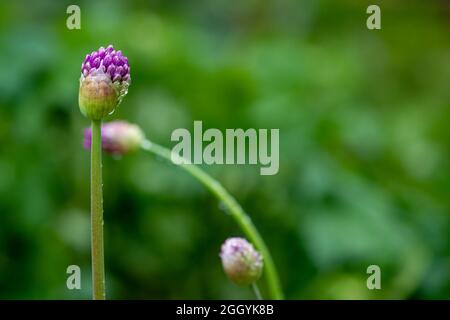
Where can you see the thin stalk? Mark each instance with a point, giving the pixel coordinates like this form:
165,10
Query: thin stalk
235,210
256,291
98,263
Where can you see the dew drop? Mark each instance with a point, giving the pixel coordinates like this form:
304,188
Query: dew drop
223,207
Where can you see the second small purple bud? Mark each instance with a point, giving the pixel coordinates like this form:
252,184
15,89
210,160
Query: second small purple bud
118,137
240,261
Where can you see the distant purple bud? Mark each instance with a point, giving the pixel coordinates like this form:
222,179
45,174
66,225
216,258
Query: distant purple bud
240,261
102,84
118,137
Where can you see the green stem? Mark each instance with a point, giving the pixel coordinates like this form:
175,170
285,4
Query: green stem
98,263
256,291
235,210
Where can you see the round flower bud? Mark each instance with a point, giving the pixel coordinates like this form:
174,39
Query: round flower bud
104,81
118,137
241,262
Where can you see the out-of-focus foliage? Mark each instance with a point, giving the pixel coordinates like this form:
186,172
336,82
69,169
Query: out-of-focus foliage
364,146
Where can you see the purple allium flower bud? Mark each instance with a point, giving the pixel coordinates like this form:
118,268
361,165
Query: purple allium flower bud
104,81
118,137
241,262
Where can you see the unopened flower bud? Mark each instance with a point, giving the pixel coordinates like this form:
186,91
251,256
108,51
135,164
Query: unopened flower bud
241,262
104,81
118,137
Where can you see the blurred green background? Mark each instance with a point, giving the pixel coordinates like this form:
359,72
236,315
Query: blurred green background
364,146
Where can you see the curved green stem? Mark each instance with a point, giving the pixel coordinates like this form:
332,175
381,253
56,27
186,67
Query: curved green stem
235,210
98,264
